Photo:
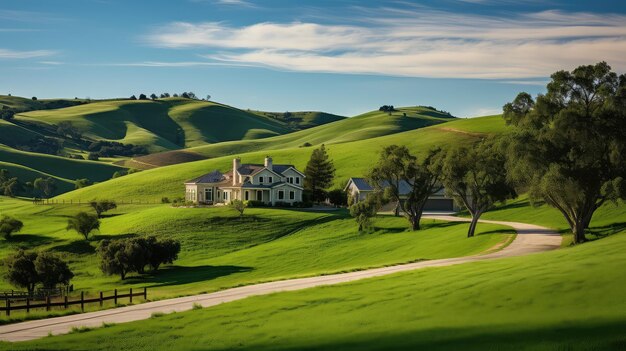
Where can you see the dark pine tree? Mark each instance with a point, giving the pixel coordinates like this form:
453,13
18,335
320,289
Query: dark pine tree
320,172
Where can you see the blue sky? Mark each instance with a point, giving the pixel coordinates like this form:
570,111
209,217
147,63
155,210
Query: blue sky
468,57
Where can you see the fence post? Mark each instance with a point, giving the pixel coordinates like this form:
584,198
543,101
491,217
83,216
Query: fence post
28,305
131,295
100,298
8,307
65,298
82,301
48,303
145,293
115,297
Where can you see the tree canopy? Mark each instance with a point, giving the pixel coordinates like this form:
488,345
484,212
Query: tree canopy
9,225
568,145
83,223
475,176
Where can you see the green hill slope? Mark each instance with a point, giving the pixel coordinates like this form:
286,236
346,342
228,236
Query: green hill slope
164,124
350,158
369,125
59,167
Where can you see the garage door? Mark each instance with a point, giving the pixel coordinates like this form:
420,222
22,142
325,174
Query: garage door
439,205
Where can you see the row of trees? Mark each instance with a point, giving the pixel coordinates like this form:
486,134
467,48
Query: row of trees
120,257
566,148
12,186
185,94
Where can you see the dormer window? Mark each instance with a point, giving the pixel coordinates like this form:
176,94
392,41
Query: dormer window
297,180
261,180
270,179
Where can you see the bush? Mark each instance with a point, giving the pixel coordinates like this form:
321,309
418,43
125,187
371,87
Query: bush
307,144
117,174
282,204
239,206
338,197
93,156
81,183
165,200
76,157
255,203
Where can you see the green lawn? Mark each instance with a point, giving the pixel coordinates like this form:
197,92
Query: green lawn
570,299
220,250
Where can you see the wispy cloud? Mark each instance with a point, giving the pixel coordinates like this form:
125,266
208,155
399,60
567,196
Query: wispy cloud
237,3
414,42
14,54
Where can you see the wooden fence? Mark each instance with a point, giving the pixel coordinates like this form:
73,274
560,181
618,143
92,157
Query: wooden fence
28,305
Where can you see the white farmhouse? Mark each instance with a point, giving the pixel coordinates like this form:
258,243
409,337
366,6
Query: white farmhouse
269,183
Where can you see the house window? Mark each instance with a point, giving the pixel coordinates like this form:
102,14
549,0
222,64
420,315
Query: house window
297,180
261,180
270,179
226,196
290,180
259,195
208,194
247,195
193,195
281,195
292,195
219,194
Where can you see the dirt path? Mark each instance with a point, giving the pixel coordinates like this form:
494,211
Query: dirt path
530,239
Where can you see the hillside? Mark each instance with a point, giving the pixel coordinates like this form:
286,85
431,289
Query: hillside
369,125
163,124
350,158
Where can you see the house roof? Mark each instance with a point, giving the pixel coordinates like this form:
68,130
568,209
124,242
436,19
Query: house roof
253,168
363,185
212,177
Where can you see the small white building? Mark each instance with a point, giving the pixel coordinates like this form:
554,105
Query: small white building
358,188
268,183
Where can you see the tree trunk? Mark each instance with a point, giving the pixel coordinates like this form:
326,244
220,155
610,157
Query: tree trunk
579,232
396,211
475,217
415,223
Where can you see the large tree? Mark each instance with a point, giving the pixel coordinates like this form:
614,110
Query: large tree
21,270
52,270
102,206
475,176
568,146
47,186
319,172
397,169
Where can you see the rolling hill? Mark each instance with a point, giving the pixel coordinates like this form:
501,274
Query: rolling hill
164,124
350,159
369,125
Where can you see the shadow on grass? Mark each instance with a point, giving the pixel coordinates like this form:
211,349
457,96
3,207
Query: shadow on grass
78,247
587,335
177,275
229,220
29,241
606,230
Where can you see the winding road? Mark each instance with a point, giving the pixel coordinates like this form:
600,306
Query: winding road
530,239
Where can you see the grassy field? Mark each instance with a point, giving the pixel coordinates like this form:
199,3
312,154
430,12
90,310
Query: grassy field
168,181
220,250
570,299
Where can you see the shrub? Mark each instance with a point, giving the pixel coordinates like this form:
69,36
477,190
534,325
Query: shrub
165,200
239,206
255,203
338,197
307,144
81,183
93,156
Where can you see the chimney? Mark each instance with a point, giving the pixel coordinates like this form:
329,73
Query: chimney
268,162
236,165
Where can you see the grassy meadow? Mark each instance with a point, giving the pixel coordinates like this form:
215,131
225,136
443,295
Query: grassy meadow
220,250
569,299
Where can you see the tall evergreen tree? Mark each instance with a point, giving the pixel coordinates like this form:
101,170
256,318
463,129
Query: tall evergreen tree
320,172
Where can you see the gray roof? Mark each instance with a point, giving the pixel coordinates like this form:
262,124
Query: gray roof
363,185
251,168
213,177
